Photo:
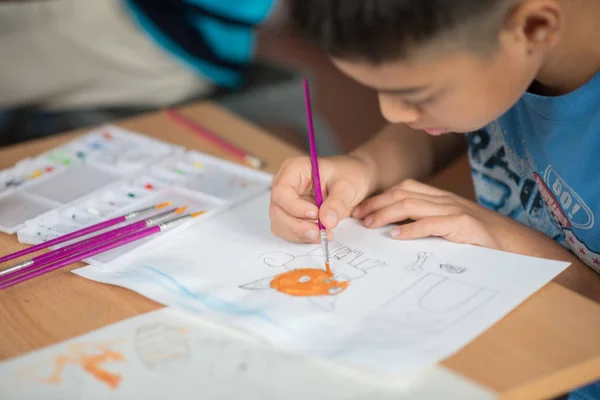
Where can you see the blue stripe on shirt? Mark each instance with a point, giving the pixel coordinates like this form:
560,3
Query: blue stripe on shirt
233,43
214,38
250,11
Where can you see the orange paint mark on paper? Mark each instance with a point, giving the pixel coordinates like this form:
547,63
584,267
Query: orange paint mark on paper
308,282
328,269
91,358
107,136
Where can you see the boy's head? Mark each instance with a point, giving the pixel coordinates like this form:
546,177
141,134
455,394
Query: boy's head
438,65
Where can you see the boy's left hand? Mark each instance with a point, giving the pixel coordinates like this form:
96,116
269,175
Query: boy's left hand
439,213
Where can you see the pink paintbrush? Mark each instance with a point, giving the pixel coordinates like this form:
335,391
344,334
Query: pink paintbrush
249,159
82,232
94,249
57,254
315,173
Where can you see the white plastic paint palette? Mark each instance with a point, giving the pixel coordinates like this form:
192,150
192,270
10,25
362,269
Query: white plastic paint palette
125,153
111,172
75,171
25,173
73,184
212,176
16,208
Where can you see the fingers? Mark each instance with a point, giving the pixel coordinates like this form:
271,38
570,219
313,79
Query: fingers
293,202
441,226
338,204
290,186
293,229
412,185
388,198
409,208
461,228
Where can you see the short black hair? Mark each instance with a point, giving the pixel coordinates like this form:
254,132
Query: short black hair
384,30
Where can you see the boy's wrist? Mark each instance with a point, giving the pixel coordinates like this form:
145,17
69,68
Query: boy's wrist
371,166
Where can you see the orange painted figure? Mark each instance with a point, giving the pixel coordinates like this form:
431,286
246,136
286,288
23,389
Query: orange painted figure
308,282
90,361
302,276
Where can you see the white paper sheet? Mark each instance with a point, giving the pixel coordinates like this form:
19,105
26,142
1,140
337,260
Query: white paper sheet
394,307
168,354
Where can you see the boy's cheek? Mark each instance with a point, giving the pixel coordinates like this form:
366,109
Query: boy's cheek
468,116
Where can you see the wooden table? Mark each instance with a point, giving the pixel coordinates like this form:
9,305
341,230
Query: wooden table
547,346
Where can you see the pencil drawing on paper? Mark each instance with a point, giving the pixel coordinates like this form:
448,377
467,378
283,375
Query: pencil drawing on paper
452,269
161,346
315,284
429,306
94,359
417,266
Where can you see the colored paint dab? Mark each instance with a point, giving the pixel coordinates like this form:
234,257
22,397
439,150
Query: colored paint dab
80,154
36,174
233,182
132,195
308,282
107,136
180,172
60,157
49,169
13,183
96,145
198,165
149,186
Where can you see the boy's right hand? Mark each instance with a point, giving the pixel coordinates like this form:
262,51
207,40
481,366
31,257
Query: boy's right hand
345,181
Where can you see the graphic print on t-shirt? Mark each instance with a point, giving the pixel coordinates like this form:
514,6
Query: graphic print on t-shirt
511,185
570,212
505,183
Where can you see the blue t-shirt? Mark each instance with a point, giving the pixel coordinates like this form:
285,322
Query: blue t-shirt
540,164
215,38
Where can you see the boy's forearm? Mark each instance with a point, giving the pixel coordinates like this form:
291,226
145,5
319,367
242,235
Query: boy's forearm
399,152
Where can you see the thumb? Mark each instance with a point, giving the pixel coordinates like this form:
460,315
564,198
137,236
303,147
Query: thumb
338,204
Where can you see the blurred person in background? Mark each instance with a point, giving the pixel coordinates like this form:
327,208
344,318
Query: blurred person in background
67,64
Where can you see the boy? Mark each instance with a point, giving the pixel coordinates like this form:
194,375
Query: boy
520,77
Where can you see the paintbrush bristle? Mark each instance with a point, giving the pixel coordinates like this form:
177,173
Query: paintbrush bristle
163,205
181,209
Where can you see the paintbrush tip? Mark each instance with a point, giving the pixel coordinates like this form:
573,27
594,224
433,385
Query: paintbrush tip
328,269
181,209
163,205
196,214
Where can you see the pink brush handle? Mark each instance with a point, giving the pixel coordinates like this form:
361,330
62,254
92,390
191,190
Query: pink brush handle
204,132
313,150
121,241
56,255
64,238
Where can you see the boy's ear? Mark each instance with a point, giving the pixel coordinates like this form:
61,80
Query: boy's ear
536,23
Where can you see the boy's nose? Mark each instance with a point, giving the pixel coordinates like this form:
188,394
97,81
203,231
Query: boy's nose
396,111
